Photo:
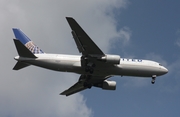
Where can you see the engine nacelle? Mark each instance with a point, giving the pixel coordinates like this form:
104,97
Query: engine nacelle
109,85
112,59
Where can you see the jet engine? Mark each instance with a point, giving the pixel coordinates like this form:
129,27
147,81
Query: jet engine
109,85
112,59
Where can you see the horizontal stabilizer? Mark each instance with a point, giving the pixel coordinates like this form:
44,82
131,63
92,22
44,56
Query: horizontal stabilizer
20,65
22,50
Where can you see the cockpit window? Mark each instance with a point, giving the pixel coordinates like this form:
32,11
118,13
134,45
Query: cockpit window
160,64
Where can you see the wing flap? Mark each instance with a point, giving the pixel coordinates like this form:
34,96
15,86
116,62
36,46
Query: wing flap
78,43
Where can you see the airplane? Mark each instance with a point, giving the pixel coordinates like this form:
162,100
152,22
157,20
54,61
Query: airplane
94,66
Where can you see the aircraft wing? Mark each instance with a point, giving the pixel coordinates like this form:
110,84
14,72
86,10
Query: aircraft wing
77,87
84,43
80,85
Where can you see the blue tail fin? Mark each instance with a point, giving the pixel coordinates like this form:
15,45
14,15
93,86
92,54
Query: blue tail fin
26,41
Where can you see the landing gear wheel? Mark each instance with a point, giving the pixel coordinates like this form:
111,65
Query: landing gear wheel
153,79
89,69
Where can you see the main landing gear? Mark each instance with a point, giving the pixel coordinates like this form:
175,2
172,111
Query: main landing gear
85,80
90,68
88,65
153,79
86,84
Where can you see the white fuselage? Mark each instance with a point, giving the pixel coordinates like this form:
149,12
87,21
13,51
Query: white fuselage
72,63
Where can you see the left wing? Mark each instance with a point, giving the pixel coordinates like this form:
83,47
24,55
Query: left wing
85,81
84,43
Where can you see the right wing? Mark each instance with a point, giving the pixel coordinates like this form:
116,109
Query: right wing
84,43
77,87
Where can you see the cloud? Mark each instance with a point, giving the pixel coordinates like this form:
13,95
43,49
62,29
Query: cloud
178,38
34,91
125,34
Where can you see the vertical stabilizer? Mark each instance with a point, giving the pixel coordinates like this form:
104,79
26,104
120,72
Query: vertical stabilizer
26,41
25,48
22,50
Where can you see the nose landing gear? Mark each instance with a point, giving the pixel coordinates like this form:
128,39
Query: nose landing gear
153,79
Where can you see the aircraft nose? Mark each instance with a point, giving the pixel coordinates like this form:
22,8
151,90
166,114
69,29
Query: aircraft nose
164,70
